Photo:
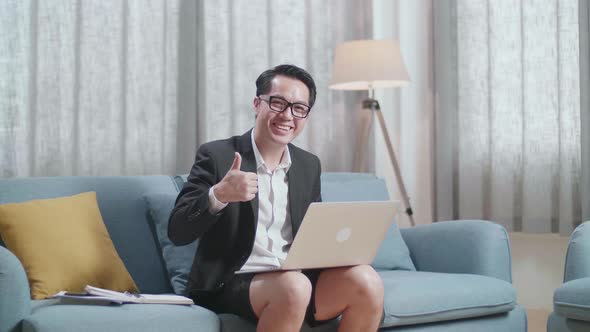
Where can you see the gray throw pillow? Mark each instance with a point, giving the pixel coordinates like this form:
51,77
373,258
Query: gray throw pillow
178,259
350,187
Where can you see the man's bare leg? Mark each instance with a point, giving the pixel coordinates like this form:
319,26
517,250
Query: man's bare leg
356,292
280,300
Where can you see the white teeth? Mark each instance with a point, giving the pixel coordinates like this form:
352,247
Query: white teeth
283,127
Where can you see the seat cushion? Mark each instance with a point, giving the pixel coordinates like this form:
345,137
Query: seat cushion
572,299
178,259
48,317
63,244
513,320
421,297
233,323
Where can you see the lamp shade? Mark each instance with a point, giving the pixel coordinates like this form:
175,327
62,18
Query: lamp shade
368,64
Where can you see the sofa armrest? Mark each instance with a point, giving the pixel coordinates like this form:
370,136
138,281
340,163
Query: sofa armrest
577,263
572,299
466,246
15,298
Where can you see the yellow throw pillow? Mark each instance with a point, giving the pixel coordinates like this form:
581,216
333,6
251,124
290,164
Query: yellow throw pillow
63,244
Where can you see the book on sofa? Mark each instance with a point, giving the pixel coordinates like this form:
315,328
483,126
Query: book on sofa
97,295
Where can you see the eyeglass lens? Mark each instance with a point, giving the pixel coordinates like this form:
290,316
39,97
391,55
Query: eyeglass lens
297,109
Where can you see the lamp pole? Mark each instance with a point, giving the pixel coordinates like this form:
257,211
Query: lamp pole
373,105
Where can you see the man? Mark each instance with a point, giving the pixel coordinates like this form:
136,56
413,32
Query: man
245,198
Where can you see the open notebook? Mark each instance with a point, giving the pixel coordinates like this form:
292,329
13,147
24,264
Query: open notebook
101,296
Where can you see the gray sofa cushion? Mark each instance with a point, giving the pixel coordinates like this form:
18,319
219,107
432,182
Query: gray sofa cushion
178,259
127,317
572,299
347,187
513,321
422,297
233,323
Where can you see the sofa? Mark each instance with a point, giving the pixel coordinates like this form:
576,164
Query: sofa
571,301
447,276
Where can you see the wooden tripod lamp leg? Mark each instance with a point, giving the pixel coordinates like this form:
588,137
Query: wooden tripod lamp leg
396,169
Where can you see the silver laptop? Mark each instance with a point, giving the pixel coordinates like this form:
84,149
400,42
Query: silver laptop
337,234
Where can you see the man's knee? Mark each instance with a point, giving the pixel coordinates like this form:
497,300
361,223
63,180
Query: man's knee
294,292
368,286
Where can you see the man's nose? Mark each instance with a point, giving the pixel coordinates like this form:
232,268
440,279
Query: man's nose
288,112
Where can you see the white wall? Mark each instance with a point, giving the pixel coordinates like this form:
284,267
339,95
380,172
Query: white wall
409,110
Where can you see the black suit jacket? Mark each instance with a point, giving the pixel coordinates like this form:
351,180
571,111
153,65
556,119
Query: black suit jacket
227,238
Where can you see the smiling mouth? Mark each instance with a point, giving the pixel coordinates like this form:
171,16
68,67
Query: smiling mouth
282,127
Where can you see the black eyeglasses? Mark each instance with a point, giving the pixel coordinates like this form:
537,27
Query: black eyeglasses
279,104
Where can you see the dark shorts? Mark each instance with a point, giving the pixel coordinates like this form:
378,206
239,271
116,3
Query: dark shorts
234,298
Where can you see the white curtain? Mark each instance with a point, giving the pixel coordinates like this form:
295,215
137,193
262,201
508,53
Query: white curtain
584,9
112,87
88,87
508,127
408,110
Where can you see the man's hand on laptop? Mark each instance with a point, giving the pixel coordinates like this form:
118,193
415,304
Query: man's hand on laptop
236,186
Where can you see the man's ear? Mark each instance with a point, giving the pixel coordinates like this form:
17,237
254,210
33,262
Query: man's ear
256,102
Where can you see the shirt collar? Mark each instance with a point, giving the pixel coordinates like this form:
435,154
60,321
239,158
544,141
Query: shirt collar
285,159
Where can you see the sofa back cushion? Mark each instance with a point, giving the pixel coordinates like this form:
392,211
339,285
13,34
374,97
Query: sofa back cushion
346,187
121,203
178,259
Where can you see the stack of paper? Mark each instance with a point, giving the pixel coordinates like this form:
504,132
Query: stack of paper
99,295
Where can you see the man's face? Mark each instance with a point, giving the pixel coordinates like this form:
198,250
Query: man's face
279,129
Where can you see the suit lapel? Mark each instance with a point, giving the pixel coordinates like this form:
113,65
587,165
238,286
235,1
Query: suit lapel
249,165
296,190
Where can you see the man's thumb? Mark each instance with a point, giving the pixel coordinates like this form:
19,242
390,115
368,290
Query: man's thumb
237,162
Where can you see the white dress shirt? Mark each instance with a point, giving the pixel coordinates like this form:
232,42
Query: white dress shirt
274,233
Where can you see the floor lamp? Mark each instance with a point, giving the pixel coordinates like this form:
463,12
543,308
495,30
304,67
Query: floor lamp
367,65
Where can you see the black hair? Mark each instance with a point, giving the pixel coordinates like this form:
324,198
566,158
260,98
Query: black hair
263,82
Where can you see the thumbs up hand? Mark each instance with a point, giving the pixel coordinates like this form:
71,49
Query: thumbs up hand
236,186
235,166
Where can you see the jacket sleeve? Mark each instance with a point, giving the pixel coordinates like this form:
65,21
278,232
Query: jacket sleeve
190,217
